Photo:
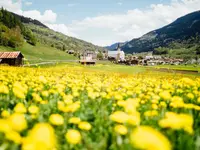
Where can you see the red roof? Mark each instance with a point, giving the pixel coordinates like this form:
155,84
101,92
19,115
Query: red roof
9,54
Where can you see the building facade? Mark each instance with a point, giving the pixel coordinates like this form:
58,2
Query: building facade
11,58
117,54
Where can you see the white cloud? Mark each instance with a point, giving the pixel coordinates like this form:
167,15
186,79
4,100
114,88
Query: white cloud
48,17
111,28
16,6
10,5
61,28
28,3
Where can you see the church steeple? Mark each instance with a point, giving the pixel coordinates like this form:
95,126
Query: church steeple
118,47
118,52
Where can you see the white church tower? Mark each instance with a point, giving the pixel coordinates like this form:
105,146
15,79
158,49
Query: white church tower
118,52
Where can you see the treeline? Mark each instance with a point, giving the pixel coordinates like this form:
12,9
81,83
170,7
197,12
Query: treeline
186,49
13,32
29,20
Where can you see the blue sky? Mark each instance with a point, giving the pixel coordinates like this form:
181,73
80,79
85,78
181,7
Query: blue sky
103,22
69,10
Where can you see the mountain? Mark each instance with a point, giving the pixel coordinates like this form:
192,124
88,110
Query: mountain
182,29
55,39
34,32
29,20
114,46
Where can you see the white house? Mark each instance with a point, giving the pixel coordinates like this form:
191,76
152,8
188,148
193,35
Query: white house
149,57
117,54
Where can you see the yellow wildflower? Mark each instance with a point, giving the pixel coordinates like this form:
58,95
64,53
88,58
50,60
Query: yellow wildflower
14,136
5,113
190,96
147,138
45,93
198,100
36,97
72,108
41,137
165,95
56,119
177,122
4,126
151,113
134,119
74,120
121,129
84,125
33,109
17,122
4,89
154,106
20,108
187,82
163,104
73,136
121,103
119,116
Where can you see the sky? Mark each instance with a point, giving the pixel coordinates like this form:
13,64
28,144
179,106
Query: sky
103,22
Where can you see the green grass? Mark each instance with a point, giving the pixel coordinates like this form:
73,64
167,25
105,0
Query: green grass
180,67
108,67
101,66
40,53
117,68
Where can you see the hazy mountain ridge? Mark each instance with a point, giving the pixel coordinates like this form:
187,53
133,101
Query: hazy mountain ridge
114,46
182,29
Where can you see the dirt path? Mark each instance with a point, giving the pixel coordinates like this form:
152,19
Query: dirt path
49,62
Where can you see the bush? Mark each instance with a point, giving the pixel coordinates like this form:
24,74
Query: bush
29,36
100,56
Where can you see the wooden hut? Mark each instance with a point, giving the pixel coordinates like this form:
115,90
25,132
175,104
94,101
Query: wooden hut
11,58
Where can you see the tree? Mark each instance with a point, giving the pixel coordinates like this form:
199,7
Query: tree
10,30
15,37
198,50
140,57
100,56
64,47
161,51
30,38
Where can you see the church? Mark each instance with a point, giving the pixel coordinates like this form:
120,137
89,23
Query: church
117,54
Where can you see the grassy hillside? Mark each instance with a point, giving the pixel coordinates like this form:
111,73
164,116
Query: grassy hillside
40,53
60,41
49,45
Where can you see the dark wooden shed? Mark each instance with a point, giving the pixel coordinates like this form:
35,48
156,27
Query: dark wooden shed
11,58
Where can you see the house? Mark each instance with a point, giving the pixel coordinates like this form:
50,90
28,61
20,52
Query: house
117,54
11,58
70,52
88,57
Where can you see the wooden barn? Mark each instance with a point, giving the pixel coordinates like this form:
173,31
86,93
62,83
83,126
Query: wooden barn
11,58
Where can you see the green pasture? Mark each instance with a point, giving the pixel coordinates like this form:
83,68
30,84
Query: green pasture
40,53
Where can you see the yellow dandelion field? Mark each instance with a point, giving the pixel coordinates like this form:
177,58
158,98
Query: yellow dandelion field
71,108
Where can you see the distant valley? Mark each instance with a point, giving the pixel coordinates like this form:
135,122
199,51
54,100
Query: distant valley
183,29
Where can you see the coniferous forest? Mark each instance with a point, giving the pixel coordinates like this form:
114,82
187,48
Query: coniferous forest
13,32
